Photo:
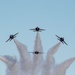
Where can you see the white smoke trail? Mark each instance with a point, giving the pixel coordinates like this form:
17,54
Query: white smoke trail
60,69
37,58
50,60
12,65
25,59
37,66
53,50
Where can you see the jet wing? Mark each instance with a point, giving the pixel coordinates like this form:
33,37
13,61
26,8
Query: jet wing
65,43
32,29
35,53
8,40
42,29
40,52
31,52
57,36
15,34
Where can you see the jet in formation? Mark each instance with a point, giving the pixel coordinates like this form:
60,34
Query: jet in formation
61,39
36,52
11,37
37,29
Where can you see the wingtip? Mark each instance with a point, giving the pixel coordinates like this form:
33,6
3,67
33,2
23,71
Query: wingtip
17,33
5,41
66,44
55,35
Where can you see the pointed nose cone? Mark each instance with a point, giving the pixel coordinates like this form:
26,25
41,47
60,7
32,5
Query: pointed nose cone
38,46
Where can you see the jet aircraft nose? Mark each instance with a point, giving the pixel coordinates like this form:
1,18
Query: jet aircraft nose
61,39
11,36
36,52
37,29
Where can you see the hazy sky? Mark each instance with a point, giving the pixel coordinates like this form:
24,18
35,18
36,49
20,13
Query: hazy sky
57,17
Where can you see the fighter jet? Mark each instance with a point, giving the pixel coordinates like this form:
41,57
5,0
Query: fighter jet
61,39
11,37
37,29
36,52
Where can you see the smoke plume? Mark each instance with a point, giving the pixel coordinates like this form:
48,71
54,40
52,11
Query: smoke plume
35,65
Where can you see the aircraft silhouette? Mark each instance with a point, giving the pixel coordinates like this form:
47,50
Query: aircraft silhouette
61,39
36,52
11,37
37,29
